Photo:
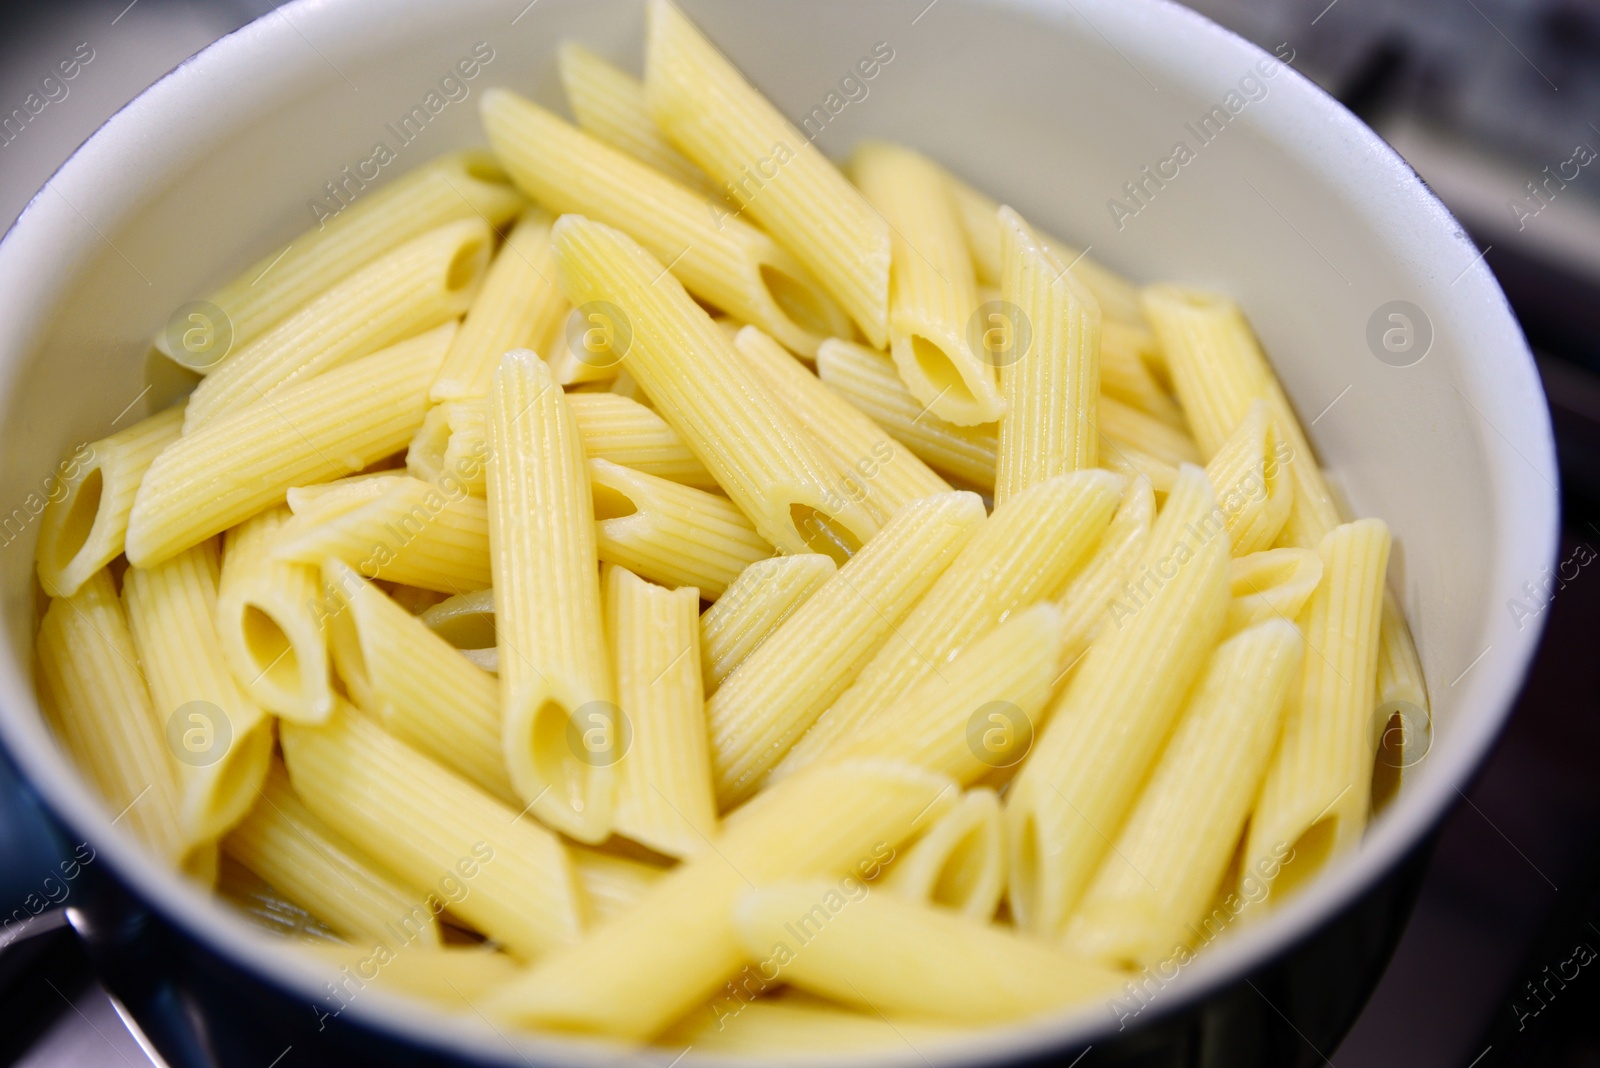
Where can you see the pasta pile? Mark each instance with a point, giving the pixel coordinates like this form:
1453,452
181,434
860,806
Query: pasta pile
619,589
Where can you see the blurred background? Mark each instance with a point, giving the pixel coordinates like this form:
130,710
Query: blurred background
1496,104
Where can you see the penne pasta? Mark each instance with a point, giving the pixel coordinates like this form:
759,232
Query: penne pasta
265,906
1273,584
555,678
1149,897
960,864
1052,388
841,821
608,104
811,657
664,798
716,118
409,291
82,530
466,622
670,534
451,448
754,448
946,361
413,683
1254,491
500,872
625,432
611,884
1021,555
796,1024
1314,802
518,306
301,856
224,739
269,624
1126,353
753,606
882,953
452,977
331,426
718,257
463,185
1085,598
869,465
94,696
1106,729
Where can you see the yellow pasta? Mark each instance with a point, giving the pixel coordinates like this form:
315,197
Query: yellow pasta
82,530
1151,891
707,109
869,465
496,869
796,1024
555,679
1274,584
1085,599
466,621
841,822
453,977
960,863
608,103
1021,555
1314,801
944,362
331,426
781,688
721,259
612,884
408,291
464,185
753,606
664,797
1254,490
622,430
1106,729
95,697
671,534
224,740
885,954
414,683
518,306
1051,387
300,855
754,448
451,448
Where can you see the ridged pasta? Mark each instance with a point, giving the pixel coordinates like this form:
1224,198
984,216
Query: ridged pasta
1254,489
960,863
753,606
1272,584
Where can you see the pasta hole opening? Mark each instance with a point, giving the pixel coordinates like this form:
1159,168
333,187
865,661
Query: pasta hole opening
1387,764
940,370
270,650
555,765
1308,856
824,534
464,266
236,778
612,503
81,516
798,300
469,630
956,881
348,655
1025,878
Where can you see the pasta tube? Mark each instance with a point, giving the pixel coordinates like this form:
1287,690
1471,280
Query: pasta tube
796,1024
1086,597
707,109
671,534
718,257
664,797
301,856
1106,729
625,432
754,448
960,864
409,291
1052,390
1274,584
1151,891
555,678
1254,491
414,683
82,530
753,606
269,625
781,688
517,307
512,879
463,185
869,465
331,426
1021,555
466,621
224,741
947,365
883,953
611,884
1315,798
839,821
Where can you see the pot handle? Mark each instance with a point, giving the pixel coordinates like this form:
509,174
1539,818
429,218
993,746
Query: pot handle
36,865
